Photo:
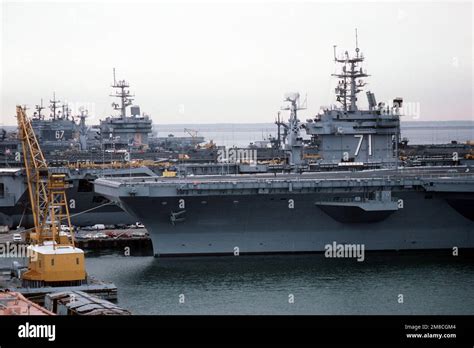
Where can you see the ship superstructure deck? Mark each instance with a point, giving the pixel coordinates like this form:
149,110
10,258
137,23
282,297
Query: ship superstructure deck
272,183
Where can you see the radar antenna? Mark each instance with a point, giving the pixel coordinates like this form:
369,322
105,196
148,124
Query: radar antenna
38,109
54,105
357,44
66,110
126,98
350,78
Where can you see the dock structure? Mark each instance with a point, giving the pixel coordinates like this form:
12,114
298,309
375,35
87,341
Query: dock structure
9,282
81,303
14,303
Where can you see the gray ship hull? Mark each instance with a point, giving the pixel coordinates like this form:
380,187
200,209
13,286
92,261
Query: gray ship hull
89,209
265,224
85,206
111,215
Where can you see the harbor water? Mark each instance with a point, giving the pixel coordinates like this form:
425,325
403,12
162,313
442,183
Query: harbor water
430,283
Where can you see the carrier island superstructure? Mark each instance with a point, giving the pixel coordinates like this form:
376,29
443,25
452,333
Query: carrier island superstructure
125,132
345,135
384,206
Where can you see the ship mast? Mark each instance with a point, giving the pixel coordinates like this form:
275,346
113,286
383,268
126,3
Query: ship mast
348,87
39,108
66,111
123,94
294,142
83,117
54,104
83,129
279,124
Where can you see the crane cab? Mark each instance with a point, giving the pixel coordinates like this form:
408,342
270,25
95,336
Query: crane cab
52,263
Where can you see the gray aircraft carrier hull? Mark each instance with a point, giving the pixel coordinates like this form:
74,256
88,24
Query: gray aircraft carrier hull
267,225
413,218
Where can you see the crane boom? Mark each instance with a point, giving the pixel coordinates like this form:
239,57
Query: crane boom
36,169
193,133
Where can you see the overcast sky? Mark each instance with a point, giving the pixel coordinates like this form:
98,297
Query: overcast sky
232,63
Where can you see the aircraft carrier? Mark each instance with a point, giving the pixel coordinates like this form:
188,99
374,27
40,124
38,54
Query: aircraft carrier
367,197
86,206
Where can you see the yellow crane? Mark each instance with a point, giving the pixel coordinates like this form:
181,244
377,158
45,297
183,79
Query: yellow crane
53,257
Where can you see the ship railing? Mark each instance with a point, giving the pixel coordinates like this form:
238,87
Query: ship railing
396,176
358,199
444,172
